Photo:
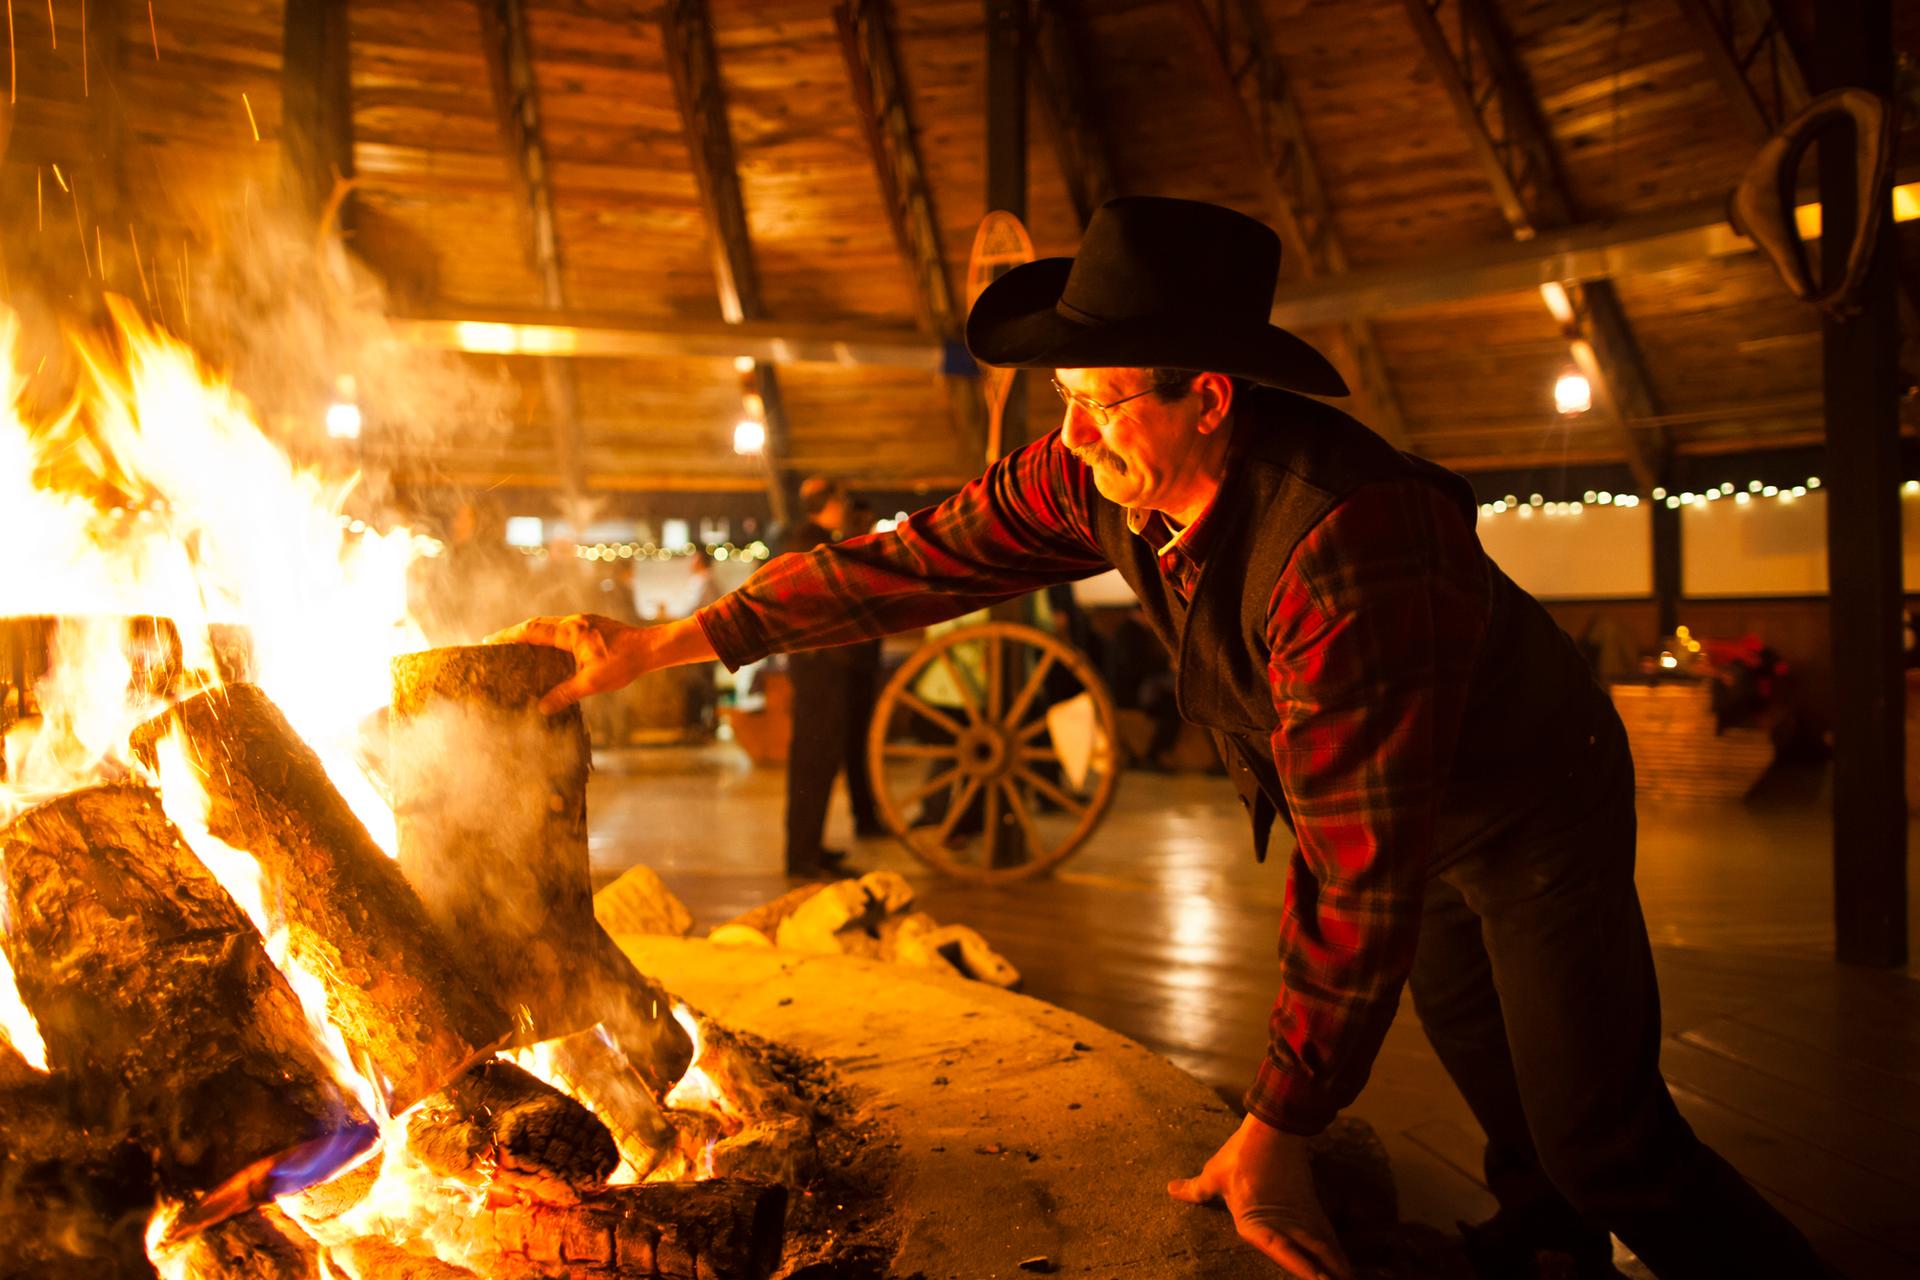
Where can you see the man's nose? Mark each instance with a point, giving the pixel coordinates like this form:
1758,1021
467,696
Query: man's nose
1077,429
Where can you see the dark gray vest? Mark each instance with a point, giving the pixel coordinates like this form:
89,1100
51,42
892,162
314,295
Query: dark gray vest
1532,701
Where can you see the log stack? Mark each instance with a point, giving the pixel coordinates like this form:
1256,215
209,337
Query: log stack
160,1008
407,1009
491,801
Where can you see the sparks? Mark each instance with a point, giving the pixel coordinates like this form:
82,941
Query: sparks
53,28
60,177
80,228
39,199
13,65
251,122
83,49
99,253
139,269
153,30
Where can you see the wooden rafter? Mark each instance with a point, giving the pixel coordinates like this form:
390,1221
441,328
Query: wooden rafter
316,141
1753,57
1473,59
880,98
1243,62
1079,137
687,29
509,54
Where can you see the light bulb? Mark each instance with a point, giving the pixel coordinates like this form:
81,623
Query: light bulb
1572,394
749,436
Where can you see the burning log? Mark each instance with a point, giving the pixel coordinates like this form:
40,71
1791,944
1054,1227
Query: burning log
262,1245
499,1123
491,801
375,1259
72,1202
591,1068
404,1006
159,1005
722,1229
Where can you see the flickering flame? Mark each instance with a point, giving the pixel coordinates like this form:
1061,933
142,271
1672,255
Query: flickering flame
697,1090
156,493
17,1026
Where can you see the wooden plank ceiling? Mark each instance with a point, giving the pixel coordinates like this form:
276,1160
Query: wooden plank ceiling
1636,118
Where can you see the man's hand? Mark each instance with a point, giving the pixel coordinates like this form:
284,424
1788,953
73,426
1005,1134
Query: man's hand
607,653
1263,1176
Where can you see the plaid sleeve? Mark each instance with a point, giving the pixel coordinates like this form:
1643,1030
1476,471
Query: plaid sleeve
1374,632
1024,525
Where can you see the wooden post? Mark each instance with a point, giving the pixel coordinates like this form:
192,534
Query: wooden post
1007,159
1666,564
316,145
1854,46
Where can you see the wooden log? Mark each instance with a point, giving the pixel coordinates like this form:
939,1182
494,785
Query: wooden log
491,801
756,928
74,1201
640,902
590,1067
262,1245
500,1124
720,1229
376,1259
158,1004
404,1005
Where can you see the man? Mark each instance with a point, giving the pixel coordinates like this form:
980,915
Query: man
822,698
1459,789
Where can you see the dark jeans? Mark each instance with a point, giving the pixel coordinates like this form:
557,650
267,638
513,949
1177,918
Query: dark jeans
817,750
1534,981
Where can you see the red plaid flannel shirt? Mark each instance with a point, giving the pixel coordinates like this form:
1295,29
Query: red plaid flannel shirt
1373,630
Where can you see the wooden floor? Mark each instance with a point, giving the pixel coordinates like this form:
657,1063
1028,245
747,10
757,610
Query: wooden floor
1803,1073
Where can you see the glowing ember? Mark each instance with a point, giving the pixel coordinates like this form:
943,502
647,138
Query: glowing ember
697,1090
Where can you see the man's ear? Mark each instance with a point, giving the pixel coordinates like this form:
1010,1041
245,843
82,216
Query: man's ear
1216,400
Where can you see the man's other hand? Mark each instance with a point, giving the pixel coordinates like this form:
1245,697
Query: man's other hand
1264,1178
607,654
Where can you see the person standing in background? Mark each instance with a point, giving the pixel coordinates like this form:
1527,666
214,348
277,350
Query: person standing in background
863,687
822,679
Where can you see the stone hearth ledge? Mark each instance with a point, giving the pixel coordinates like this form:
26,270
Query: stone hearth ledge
1026,1131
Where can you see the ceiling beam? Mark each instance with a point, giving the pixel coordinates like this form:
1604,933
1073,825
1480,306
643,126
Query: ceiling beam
516,100
1242,62
1475,63
880,99
687,28
316,95
576,334
1753,58
1078,131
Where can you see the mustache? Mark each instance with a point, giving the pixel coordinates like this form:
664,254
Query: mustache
1101,456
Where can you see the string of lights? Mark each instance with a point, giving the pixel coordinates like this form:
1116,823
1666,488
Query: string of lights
653,551
1728,491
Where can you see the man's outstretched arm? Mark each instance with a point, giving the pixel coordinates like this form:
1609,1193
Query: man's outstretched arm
1024,525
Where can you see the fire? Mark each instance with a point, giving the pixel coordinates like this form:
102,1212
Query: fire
155,493
17,1026
697,1090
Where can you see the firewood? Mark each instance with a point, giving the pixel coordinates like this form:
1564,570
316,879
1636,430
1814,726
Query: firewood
720,1229
262,1245
376,1259
500,1124
640,902
904,941
74,1201
405,1006
971,954
756,928
591,1068
491,801
159,1005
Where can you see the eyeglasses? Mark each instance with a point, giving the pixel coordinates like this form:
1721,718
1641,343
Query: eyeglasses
1100,413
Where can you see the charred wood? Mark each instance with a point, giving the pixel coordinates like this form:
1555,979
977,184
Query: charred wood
723,1229
501,1124
160,1007
591,1068
262,1245
491,801
406,1008
73,1202
375,1259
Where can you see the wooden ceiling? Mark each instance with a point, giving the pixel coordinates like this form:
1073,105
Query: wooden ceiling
1337,121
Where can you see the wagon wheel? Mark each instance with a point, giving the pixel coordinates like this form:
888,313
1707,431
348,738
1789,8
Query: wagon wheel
1037,770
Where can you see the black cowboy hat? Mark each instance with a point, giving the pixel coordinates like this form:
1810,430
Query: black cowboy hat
1158,283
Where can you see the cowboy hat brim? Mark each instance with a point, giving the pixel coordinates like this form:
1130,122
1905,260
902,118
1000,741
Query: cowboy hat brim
1016,324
